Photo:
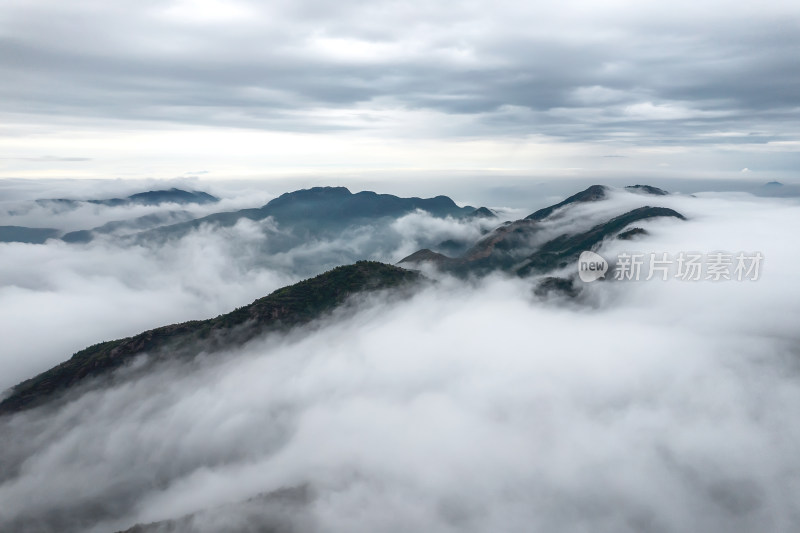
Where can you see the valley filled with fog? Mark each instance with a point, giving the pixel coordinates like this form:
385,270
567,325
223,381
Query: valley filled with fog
467,403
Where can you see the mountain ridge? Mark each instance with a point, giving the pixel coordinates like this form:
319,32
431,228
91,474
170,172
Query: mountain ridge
152,197
27,235
320,209
281,310
505,247
591,194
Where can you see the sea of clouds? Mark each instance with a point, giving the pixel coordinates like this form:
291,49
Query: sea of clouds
58,298
473,405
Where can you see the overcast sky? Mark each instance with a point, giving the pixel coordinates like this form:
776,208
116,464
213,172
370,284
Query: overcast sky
242,88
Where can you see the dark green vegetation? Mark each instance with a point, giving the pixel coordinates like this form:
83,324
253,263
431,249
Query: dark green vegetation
282,310
27,235
516,247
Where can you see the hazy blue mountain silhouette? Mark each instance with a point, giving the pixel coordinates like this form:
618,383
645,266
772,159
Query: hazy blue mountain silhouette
173,195
27,235
320,210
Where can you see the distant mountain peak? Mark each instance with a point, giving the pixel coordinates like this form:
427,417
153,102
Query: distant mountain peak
173,195
425,255
317,191
482,212
317,211
647,189
154,197
591,194
512,246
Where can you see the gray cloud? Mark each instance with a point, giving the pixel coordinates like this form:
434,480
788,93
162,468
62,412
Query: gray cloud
581,72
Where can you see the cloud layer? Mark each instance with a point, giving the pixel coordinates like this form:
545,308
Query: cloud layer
579,69
642,79
651,406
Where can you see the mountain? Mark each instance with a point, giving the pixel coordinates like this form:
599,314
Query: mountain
173,195
522,247
137,224
560,251
482,212
40,235
336,204
27,235
776,189
321,210
307,213
592,194
630,234
150,198
282,310
647,189
534,246
514,247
